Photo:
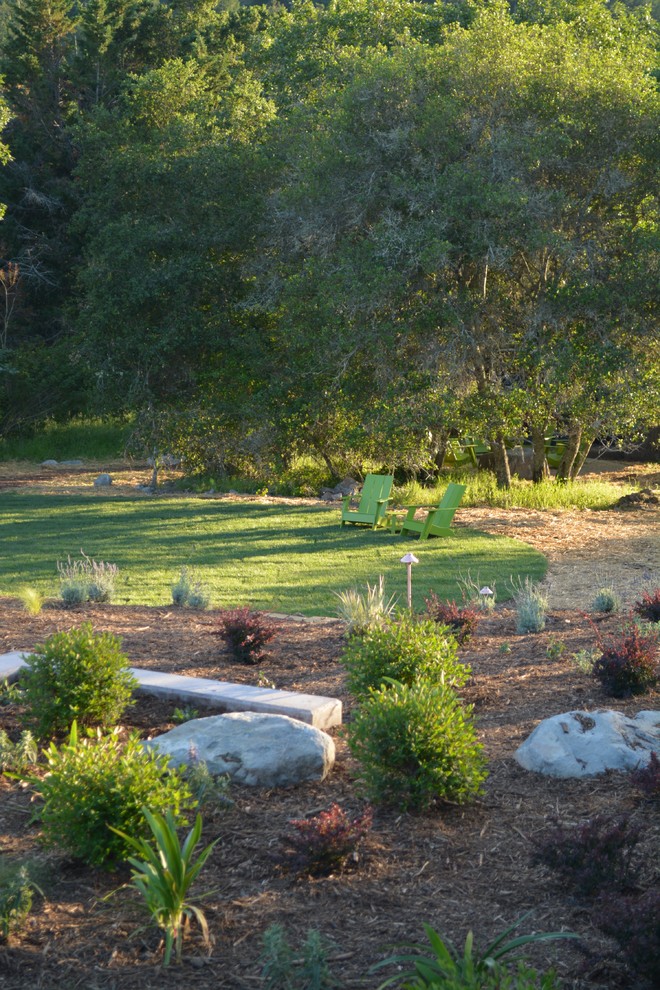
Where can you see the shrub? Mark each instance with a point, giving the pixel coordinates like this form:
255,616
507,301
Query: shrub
96,782
188,590
402,651
462,620
209,791
584,660
531,604
634,922
606,601
17,757
647,778
76,675
86,580
628,664
648,607
592,856
416,744
245,633
17,890
321,845
280,971
362,612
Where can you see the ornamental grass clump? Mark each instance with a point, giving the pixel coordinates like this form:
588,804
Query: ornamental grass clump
86,580
76,675
402,651
416,744
362,611
96,783
606,601
323,844
629,662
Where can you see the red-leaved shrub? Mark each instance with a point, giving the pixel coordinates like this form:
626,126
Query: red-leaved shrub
321,845
245,633
461,619
648,607
647,778
628,663
634,922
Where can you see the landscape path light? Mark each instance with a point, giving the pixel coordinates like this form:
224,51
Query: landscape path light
409,559
487,597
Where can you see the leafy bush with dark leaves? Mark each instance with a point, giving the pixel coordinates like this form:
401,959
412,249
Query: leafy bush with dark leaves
592,856
634,922
647,778
461,619
245,633
628,664
321,845
648,607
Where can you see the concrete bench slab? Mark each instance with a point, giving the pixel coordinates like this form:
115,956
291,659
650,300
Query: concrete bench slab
323,713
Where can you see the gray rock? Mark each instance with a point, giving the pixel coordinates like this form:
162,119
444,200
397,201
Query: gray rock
74,463
584,744
103,479
48,464
255,749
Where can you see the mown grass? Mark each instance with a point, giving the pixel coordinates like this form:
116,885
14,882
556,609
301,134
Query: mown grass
281,558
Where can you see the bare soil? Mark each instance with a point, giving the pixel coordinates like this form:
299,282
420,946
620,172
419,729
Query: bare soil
457,868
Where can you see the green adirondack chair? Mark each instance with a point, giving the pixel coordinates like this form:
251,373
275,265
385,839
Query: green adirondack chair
372,508
438,520
459,452
554,451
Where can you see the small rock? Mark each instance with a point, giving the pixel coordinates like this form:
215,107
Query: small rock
50,464
102,480
75,463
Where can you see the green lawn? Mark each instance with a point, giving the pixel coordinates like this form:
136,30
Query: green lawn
281,558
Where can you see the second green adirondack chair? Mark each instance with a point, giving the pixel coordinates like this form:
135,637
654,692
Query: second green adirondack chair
373,502
438,520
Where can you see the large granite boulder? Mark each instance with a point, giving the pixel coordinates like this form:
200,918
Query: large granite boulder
255,749
583,744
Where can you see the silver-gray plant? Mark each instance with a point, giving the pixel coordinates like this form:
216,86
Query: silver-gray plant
606,601
86,580
531,604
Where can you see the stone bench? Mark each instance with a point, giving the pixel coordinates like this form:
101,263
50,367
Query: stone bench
323,713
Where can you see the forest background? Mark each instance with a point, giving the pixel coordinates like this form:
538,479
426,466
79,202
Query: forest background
351,229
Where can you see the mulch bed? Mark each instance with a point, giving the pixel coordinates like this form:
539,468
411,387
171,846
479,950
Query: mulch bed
457,868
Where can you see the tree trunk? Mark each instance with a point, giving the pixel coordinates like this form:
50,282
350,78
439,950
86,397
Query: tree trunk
540,469
582,454
565,469
501,463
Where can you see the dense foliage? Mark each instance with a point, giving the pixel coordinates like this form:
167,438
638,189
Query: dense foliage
352,228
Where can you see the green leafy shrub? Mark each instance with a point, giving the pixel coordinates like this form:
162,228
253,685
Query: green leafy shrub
592,857
164,873
628,663
76,675
209,791
97,782
321,845
416,743
309,971
648,606
446,966
634,922
245,633
461,619
362,611
402,651
531,605
86,580
17,889
606,601
18,757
